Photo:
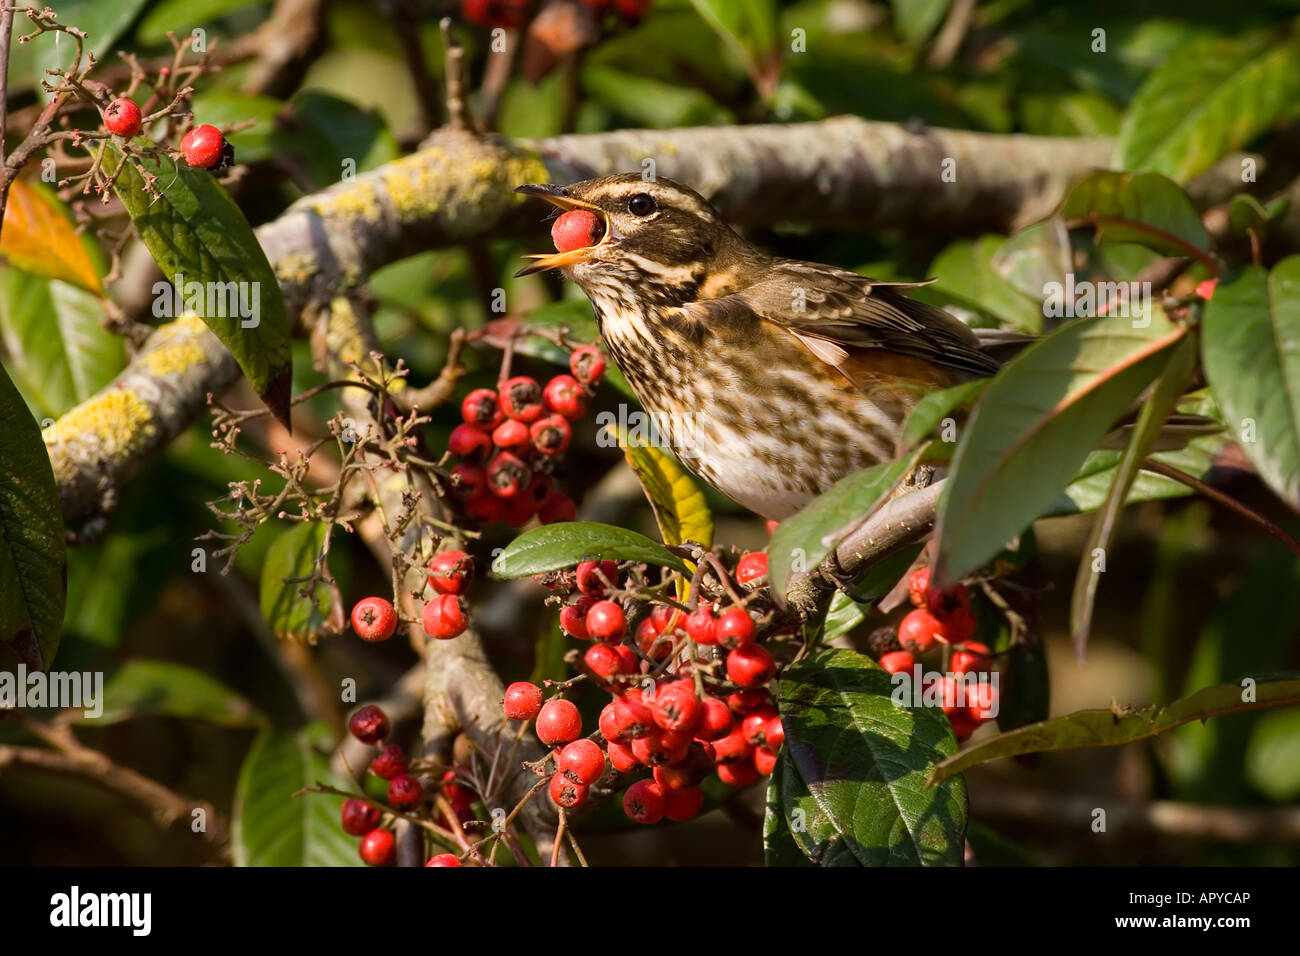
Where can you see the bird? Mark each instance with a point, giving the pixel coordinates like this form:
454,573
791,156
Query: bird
769,378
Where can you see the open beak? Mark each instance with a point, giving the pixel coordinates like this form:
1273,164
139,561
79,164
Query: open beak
558,196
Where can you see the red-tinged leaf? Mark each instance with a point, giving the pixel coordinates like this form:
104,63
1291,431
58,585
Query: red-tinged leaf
38,237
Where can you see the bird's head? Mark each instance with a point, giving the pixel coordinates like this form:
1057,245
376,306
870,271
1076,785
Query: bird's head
658,233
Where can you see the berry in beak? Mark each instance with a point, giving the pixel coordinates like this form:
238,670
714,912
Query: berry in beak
580,229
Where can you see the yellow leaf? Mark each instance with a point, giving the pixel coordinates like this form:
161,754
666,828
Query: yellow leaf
679,505
38,238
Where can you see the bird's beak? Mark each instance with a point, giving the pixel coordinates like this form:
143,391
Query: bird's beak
559,196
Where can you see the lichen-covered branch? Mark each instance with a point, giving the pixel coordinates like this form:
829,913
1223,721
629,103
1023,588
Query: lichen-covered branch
458,188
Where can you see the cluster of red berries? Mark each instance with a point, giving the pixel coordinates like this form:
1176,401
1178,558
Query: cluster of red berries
203,147
689,697
405,792
444,617
944,620
511,14
509,438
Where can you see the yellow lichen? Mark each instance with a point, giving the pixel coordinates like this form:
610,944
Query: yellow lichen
175,348
359,200
108,427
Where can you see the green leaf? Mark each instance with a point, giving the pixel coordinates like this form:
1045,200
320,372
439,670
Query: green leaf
846,612
182,16
33,556
967,277
1272,760
1122,725
796,831
57,348
779,846
917,19
748,26
272,827
143,686
1162,401
1035,257
1145,208
865,760
1088,490
327,132
293,556
801,541
1035,425
1251,352
679,506
1210,97
934,408
1026,685
565,543
256,143
193,229
649,102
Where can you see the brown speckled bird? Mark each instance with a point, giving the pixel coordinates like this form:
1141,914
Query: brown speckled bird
771,379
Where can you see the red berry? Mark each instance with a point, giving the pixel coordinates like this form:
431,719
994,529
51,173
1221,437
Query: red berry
606,621
573,619
508,14
369,724
374,619
734,628
963,724
945,602
521,398
752,567
743,701
378,848
676,707
557,507
644,802
1205,288
681,805
897,662
605,661
582,761
359,817
450,571
444,617
470,482
632,718
715,719
122,117
918,629
947,694
621,757
732,747
750,665
469,442
918,585
957,627
701,627
981,700
774,732
565,397
202,146
551,435
593,577
405,791
507,475
523,700
511,433
558,722
764,761
576,229
443,859
587,364
754,726
771,526
973,657
390,763
738,774
482,409
565,792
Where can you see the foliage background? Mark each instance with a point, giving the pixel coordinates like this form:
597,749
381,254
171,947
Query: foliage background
1194,596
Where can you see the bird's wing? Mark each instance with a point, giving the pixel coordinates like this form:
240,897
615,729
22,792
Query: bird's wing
850,321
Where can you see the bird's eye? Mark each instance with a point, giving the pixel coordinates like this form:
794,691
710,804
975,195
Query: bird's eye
642,204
